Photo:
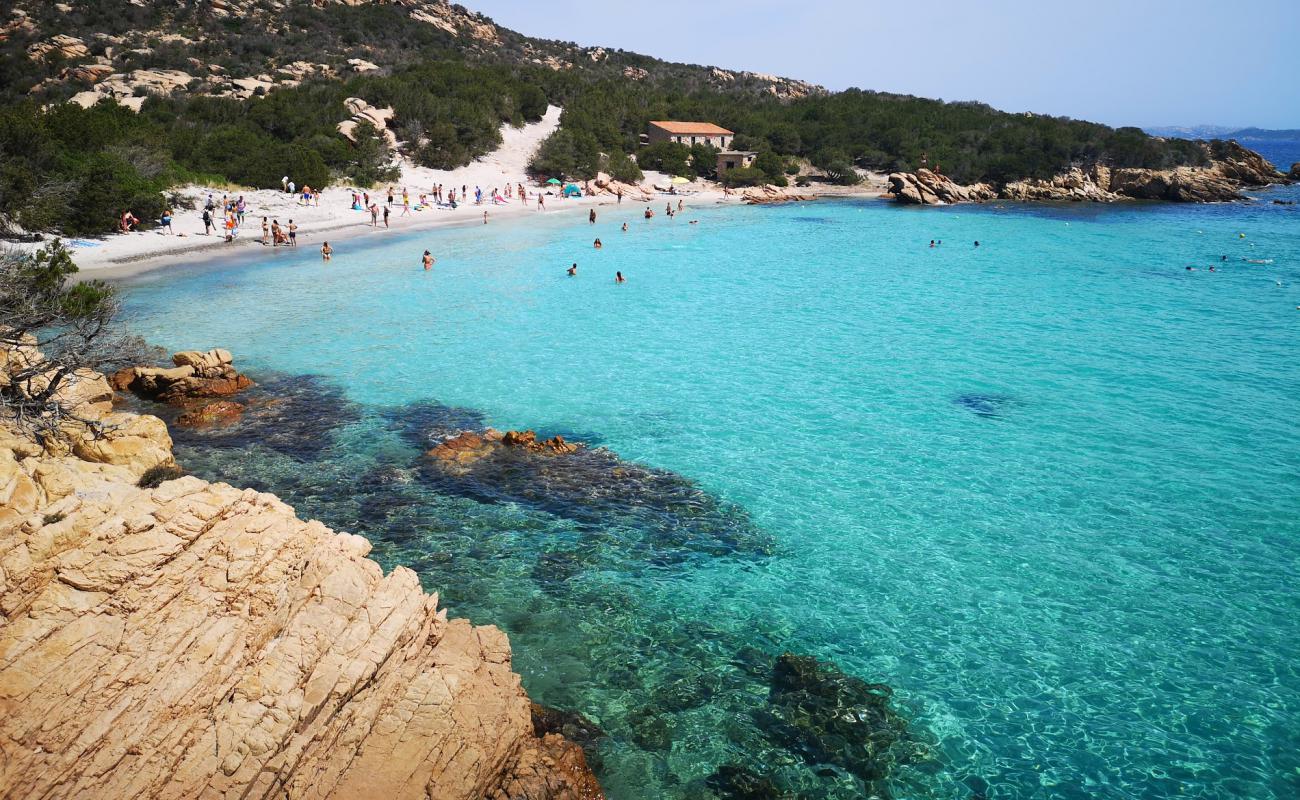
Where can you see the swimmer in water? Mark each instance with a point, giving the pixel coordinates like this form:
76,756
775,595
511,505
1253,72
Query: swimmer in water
596,244
932,243
1191,269
695,222
1211,269
649,213
428,260
573,270
326,251
977,242
618,278
624,227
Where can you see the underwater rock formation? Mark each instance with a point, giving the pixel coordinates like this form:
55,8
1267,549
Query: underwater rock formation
985,405
593,487
828,717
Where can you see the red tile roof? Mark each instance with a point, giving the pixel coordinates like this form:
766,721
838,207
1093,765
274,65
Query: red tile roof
691,128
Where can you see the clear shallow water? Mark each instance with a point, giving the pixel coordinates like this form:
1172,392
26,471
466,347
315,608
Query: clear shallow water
1047,489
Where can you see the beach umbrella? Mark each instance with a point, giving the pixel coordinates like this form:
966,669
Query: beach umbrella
679,179
554,181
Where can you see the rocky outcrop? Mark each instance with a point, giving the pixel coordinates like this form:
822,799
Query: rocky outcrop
1294,173
195,376
59,46
924,187
605,185
199,640
362,112
470,446
1231,168
761,195
129,89
1077,184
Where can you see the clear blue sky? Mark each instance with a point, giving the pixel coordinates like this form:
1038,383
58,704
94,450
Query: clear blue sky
1121,62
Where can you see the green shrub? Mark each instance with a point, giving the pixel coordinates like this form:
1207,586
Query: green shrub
157,476
744,176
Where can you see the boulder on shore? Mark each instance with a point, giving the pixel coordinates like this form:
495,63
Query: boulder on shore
924,187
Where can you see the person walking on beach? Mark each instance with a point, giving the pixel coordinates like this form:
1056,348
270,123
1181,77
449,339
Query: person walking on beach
619,195
485,217
428,260
292,188
406,203
240,208
166,221
592,217
326,251
390,195
541,202
284,183
293,234
385,216
266,232
207,222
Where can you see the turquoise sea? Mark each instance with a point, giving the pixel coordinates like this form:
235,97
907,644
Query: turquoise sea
1047,489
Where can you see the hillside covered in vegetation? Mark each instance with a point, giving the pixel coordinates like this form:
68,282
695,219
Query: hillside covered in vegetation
107,103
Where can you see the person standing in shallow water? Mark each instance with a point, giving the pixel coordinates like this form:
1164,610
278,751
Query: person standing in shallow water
618,278
592,217
326,251
573,270
428,260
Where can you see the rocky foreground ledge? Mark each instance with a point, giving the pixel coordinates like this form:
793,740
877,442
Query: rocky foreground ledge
1232,169
191,639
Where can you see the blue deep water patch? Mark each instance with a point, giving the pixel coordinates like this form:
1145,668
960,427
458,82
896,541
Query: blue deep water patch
1093,599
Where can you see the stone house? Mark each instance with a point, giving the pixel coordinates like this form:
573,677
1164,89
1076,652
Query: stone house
735,159
689,133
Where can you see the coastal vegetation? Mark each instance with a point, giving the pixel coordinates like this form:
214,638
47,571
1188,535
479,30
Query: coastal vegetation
451,78
53,331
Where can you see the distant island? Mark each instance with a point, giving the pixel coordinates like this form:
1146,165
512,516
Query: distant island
1222,132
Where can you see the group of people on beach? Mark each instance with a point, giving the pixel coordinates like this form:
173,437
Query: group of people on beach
276,234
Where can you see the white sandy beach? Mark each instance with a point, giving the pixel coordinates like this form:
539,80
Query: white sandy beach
334,220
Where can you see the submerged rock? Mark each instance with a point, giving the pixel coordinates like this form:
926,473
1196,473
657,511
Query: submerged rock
569,724
217,412
734,782
828,717
649,514
985,405
296,416
593,487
